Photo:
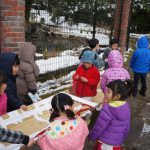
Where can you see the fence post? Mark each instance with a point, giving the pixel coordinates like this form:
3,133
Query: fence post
94,18
12,16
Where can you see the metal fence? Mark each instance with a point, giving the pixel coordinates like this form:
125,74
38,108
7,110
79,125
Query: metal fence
60,30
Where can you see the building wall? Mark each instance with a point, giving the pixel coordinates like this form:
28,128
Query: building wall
12,24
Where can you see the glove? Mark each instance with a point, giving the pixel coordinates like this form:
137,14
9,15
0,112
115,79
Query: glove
34,97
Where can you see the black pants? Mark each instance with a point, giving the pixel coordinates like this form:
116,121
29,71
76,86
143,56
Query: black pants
137,77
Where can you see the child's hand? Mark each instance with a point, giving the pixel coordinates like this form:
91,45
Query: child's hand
24,107
77,77
83,79
31,143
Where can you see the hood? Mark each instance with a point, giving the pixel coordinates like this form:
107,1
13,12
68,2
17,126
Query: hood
143,42
27,52
115,59
6,62
120,110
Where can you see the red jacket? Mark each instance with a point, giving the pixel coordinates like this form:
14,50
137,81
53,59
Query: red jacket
90,88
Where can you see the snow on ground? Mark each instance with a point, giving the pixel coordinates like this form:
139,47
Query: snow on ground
56,63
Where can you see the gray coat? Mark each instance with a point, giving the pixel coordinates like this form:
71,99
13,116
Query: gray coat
29,71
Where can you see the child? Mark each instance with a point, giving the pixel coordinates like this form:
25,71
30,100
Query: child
86,77
113,46
115,70
113,123
15,137
140,64
66,131
94,46
28,74
3,97
9,64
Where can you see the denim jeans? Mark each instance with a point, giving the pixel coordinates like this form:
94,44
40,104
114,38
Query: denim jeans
142,77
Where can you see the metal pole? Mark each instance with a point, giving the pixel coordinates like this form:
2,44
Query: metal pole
94,18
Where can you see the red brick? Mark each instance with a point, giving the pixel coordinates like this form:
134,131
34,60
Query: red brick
10,24
11,44
22,3
6,29
6,49
21,13
2,8
18,8
17,29
11,34
9,2
9,13
16,49
17,39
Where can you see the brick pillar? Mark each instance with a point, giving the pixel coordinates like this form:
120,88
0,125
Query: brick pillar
117,19
121,24
12,24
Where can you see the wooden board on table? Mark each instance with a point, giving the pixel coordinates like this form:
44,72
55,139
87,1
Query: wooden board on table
32,121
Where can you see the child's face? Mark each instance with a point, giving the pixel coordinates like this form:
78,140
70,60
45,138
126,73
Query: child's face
109,94
2,88
97,46
87,65
114,46
15,70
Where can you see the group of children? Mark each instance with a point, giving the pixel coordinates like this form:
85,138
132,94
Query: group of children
68,131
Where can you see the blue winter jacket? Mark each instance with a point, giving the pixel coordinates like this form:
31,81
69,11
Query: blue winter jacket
140,61
6,63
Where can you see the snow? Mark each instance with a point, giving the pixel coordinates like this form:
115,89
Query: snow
55,63
80,29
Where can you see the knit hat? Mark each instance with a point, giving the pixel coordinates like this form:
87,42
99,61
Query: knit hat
88,56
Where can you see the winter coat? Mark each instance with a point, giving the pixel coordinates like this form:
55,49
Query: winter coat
65,134
115,70
6,64
140,61
3,104
113,123
28,71
90,88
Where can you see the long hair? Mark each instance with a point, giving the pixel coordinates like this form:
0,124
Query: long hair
58,103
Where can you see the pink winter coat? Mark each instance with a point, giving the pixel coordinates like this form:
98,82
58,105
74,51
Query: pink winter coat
64,134
115,70
3,104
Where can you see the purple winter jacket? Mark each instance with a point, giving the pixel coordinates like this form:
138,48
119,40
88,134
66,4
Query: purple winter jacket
112,125
115,70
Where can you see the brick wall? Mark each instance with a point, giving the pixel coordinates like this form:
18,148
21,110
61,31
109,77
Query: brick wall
12,26
120,28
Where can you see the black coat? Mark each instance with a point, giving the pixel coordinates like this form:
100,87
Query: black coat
6,64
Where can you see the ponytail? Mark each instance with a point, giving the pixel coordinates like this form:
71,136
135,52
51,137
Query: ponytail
70,114
53,116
